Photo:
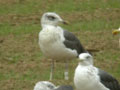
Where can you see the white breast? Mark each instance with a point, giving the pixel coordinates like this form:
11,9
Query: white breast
51,44
86,78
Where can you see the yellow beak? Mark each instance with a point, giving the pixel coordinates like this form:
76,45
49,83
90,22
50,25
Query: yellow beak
65,22
115,32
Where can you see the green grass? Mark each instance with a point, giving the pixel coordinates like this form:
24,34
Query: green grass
28,7
21,62
7,28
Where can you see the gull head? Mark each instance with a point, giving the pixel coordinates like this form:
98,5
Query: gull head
51,18
44,85
85,59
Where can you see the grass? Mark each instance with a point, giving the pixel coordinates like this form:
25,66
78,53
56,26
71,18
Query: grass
21,62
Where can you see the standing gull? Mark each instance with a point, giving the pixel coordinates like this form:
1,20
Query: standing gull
89,77
57,43
115,32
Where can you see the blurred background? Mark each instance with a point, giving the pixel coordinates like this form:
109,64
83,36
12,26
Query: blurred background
21,62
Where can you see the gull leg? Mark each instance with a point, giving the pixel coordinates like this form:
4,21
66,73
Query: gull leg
52,70
66,71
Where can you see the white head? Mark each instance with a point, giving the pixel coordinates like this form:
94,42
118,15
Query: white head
119,28
44,85
85,59
51,18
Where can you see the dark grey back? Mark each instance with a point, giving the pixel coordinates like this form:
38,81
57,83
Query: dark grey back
72,42
108,80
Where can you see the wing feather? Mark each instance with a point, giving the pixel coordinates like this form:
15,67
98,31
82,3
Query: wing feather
72,42
108,80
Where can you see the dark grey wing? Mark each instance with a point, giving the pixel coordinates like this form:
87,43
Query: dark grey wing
72,42
65,87
108,80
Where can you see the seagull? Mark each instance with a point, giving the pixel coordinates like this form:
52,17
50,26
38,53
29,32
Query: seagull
89,77
115,32
57,43
46,85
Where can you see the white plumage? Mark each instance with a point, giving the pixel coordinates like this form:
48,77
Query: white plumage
44,85
51,43
57,43
87,76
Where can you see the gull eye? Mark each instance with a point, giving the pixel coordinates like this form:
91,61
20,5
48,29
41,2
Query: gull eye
51,17
88,57
50,86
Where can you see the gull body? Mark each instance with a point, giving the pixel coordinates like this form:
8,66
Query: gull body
51,42
89,77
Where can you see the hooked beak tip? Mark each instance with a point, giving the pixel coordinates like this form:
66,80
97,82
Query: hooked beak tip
65,22
115,32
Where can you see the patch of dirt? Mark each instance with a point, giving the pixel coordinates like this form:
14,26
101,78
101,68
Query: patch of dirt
14,19
21,55
11,2
108,14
